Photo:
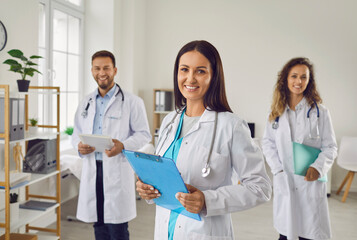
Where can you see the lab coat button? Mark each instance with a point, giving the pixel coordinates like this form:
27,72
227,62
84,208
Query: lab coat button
186,142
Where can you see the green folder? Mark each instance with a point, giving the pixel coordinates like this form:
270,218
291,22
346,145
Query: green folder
304,156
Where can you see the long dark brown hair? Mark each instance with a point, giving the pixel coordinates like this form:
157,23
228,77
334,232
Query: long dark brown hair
215,98
281,93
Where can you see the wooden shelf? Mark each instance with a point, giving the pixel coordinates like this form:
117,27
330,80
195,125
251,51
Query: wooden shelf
159,114
26,216
48,134
35,177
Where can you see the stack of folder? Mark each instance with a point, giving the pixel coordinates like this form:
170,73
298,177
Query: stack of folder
37,205
17,118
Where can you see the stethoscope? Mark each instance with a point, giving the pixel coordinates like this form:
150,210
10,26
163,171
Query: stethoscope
85,111
275,124
207,168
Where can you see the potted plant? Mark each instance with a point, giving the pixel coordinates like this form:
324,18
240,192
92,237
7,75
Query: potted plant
69,131
25,69
33,125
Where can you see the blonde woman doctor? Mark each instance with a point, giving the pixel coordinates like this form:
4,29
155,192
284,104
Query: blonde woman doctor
300,202
204,120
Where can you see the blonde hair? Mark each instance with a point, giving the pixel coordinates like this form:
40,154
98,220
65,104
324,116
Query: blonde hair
281,92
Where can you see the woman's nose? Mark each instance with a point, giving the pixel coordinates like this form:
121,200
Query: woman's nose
191,77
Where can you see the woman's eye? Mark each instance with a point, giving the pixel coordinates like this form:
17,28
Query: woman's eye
201,71
183,69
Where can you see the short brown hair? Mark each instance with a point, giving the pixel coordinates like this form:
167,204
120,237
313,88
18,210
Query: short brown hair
104,53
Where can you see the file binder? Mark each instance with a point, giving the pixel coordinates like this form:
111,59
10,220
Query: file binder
304,156
21,119
17,116
163,175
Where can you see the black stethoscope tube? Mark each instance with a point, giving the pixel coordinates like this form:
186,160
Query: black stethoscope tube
85,112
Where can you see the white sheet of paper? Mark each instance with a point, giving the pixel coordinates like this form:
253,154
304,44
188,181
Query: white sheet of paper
100,142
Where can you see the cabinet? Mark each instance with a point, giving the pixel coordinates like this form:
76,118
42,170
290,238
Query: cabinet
163,104
26,217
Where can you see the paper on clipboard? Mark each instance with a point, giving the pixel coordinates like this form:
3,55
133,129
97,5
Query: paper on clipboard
100,142
163,175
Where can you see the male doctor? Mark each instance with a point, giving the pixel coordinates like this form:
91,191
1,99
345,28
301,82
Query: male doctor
107,192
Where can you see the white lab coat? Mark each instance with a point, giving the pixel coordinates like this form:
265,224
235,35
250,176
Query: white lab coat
123,120
300,207
233,150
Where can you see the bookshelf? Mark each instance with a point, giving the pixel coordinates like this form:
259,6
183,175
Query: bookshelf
27,216
163,104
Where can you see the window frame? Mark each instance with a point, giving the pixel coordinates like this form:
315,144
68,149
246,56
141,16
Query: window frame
48,78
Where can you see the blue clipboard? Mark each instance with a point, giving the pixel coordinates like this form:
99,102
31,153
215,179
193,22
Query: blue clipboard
304,156
163,175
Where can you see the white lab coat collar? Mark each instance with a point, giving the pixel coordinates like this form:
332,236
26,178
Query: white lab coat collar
115,96
207,116
303,102
164,144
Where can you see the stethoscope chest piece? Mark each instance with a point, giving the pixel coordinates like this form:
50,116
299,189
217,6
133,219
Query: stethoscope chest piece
206,171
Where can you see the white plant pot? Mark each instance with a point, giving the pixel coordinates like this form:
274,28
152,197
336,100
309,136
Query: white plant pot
14,212
33,130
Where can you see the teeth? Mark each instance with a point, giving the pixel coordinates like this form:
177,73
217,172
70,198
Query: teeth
189,87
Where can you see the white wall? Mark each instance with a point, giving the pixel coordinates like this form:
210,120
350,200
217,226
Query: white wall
255,39
98,35
22,33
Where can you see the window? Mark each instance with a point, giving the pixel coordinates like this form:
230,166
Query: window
60,42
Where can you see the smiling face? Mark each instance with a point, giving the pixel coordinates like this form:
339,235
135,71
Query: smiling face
298,79
104,72
194,76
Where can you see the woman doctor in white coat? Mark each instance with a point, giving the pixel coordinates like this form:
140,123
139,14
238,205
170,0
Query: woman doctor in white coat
300,202
186,136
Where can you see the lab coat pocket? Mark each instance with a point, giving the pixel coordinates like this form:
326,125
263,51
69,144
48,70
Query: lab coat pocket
219,165
281,185
315,189
198,236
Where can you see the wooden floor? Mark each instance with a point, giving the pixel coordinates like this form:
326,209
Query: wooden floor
252,224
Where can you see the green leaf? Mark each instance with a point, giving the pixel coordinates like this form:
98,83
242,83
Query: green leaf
31,63
16,68
15,53
29,71
11,62
23,58
69,131
35,56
